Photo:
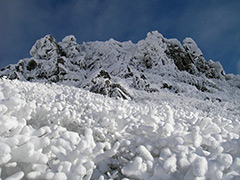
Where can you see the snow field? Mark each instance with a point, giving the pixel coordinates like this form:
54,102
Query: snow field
61,132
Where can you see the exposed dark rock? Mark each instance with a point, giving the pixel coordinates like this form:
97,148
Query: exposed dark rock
61,61
189,58
181,58
104,74
13,76
165,85
148,61
102,84
116,90
127,75
31,65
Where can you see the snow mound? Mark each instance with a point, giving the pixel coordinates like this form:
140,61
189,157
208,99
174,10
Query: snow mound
51,131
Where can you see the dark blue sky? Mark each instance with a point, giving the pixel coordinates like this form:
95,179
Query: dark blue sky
214,25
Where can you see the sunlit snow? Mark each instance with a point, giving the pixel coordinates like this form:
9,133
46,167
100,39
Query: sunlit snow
61,132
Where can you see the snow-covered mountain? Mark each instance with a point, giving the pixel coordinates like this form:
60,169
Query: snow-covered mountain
174,115
119,69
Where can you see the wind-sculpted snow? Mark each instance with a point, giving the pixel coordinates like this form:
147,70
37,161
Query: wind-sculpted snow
51,131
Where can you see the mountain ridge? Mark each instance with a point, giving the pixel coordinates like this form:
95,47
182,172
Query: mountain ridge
117,69
181,119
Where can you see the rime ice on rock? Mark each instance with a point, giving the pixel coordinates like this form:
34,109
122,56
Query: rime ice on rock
45,48
69,46
191,47
151,65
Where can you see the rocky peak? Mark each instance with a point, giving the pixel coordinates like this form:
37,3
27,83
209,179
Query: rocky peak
69,46
117,69
191,48
46,48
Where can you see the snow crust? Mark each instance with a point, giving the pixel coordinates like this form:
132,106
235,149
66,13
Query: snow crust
59,132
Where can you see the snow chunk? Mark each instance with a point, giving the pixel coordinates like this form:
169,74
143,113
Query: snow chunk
170,165
145,153
4,153
225,159
136,169
200,167
16,176
3,109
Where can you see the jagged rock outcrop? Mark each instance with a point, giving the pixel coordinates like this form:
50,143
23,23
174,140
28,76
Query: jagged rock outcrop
45,48
188,57
102,84
116,68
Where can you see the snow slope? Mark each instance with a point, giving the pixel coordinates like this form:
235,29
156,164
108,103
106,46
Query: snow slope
59,132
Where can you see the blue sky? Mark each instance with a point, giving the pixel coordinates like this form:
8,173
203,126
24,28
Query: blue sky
214,25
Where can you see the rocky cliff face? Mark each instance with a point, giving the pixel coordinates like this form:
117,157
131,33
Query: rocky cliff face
118,69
